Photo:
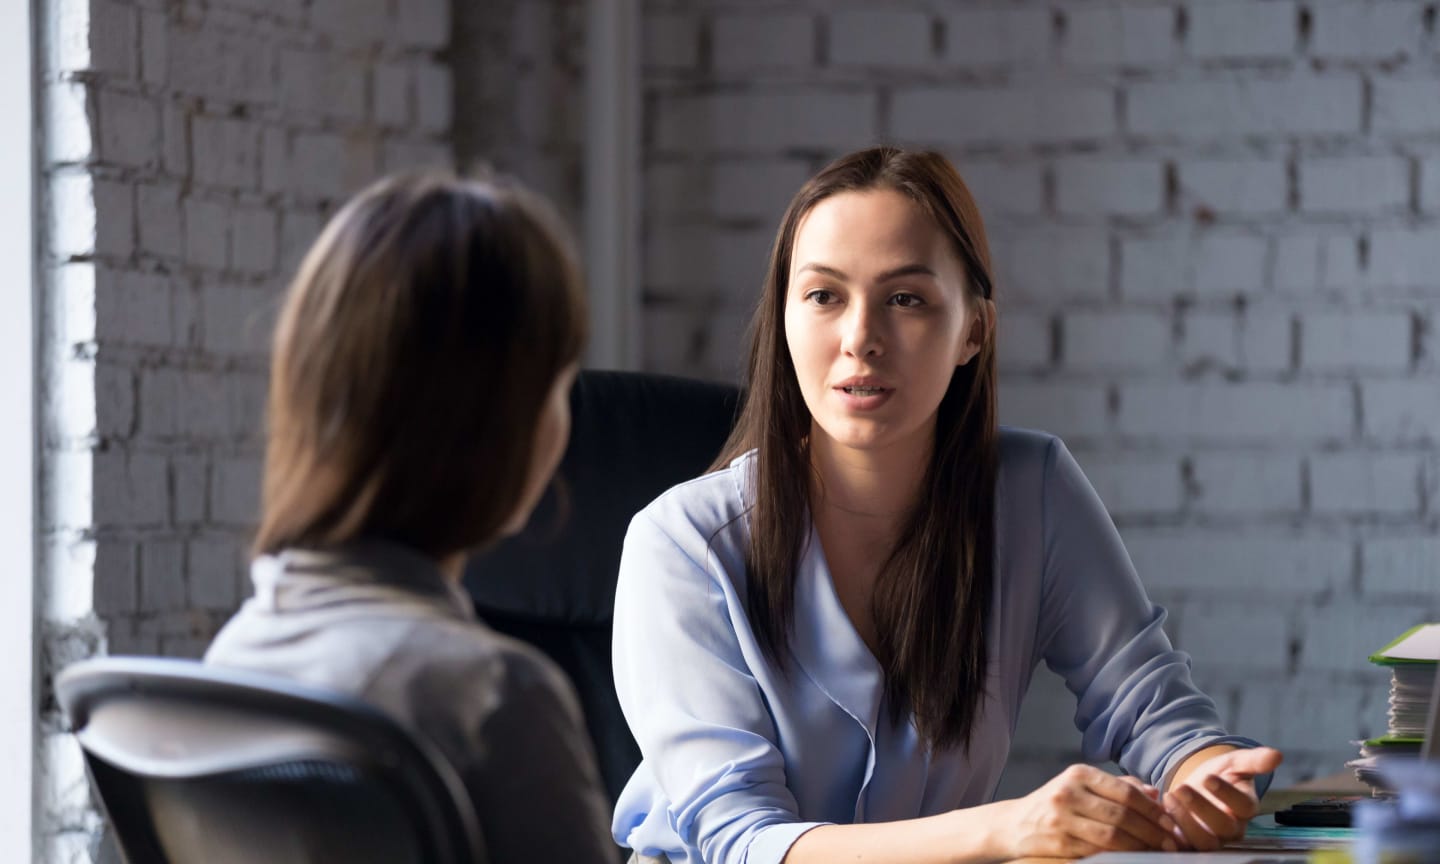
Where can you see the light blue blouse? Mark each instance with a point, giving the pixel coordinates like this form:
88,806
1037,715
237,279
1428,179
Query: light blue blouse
741,759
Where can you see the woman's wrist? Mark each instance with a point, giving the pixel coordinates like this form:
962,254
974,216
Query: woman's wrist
979,833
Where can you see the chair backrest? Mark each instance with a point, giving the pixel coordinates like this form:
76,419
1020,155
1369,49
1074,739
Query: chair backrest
200,763
633,436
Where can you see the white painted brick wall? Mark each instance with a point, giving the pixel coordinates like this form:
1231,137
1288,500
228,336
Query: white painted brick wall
1401,411
1026,342
943,115
757,40
1366,31
1406,105
1010,189
1430,185
1045,262
1235,186
1211,562
1129,187
192,152
986,37
1356,184
1215,110
1068,410
1127,35
880,38
1406,566
1404,257
1335,639
1239,413
778,118
1271,714
1131,486
1339,341
672,41
1216,248
1243,640
1243,30
1114,340
1362,484
1247,484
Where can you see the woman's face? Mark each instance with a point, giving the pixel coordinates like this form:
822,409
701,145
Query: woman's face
876,319
552,432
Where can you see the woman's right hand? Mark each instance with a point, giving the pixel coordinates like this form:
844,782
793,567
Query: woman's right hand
1084,811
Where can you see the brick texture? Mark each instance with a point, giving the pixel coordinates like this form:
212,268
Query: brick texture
216,139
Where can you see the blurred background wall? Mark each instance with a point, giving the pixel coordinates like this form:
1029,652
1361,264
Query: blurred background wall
1216,227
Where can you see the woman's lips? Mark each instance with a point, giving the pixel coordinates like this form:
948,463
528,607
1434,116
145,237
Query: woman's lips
863,397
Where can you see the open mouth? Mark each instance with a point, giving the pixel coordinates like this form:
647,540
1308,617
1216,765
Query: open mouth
863,391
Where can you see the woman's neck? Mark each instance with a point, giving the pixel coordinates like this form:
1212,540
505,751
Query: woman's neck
453,567
872,487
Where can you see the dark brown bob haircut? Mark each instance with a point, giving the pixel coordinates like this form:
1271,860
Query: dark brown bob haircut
412,357
931,601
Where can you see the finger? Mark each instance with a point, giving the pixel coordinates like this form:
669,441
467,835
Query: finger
1149,833
1145,788
1144,833
1156,795
1126,794
1196,835
1107,836
1219,822
1239,799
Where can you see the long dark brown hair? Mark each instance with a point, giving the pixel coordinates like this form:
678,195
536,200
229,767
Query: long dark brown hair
931,600
412,358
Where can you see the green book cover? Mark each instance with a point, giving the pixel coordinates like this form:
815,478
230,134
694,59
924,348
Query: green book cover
1392,741
1381,658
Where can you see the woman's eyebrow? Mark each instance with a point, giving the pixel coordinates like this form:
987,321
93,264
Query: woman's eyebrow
893,273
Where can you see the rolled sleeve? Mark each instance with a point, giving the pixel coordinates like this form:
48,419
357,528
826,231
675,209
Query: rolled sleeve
713,770
1136,701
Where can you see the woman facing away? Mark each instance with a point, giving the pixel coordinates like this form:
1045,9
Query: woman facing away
418,408
821,646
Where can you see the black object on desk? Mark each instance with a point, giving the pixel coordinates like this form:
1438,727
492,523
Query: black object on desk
1332,812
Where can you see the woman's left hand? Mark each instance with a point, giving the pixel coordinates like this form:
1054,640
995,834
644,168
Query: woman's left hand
1213,802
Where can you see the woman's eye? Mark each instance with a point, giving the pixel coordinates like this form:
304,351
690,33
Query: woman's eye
906,300
821,297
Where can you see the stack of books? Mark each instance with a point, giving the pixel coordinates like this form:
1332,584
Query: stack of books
1411,659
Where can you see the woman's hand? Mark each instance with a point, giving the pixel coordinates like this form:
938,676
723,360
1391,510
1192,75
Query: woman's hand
1213,802
1084,811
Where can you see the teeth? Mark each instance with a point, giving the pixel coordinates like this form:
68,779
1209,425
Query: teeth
863,391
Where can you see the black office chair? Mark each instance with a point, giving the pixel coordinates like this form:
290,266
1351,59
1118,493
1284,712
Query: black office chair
633,436
199,763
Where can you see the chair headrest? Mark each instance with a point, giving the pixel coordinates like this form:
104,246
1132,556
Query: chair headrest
633,435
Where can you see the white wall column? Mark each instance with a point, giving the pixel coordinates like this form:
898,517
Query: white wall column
612,183
17,433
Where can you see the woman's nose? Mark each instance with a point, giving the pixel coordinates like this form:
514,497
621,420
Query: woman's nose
862,336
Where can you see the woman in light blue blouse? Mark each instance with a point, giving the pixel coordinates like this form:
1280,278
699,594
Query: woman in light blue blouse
822,645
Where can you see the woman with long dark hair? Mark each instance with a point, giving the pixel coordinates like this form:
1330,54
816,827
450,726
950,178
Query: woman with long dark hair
419,404
822,645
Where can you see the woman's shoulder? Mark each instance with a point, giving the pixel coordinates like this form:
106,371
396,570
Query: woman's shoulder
1024,451
468,657
708,502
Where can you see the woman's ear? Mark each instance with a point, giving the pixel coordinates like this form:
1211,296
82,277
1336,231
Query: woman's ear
980,331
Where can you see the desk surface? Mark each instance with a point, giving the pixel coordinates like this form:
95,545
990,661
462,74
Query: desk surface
1343,783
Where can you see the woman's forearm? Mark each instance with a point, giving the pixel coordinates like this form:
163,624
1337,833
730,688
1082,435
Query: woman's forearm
957,837
1195,760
